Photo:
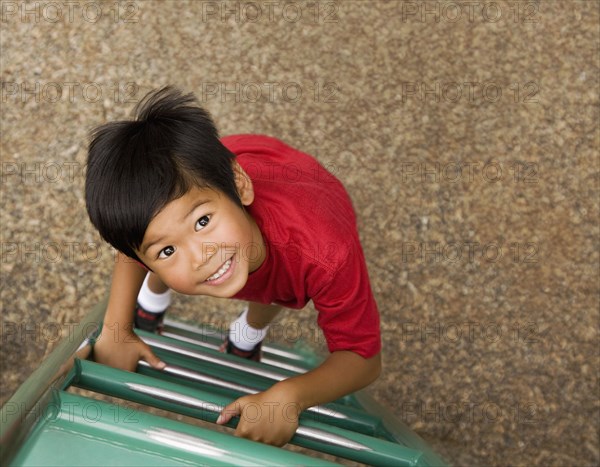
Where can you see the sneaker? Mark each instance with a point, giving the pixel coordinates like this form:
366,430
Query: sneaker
146,321
254,354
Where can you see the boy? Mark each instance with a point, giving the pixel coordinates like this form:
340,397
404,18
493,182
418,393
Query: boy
244,217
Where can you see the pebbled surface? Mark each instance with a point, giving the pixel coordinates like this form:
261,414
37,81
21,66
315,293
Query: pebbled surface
468,143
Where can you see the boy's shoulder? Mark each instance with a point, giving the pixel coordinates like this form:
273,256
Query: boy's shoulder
268,159
287,162
250,140
300,205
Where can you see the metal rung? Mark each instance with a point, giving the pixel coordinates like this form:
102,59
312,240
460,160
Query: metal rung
221,383
264,359
216,358
220,336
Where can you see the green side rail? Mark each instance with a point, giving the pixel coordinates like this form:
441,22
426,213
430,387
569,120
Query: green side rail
45,423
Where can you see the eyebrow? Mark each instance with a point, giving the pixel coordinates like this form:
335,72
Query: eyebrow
160,239
196,205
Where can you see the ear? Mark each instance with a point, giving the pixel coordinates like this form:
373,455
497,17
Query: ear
244,184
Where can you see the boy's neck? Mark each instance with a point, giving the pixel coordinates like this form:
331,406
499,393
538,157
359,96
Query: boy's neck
258,240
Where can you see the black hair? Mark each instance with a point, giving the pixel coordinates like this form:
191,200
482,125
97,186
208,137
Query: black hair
136,167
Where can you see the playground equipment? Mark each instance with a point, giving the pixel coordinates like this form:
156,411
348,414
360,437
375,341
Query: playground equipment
47,423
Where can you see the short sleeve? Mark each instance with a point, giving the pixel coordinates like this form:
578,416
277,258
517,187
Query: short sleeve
347,311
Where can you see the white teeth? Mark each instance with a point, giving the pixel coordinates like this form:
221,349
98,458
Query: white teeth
221,271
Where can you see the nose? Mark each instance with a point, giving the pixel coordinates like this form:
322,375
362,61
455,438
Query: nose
201,254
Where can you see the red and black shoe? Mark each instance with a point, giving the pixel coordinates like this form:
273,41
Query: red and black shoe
253,354
147,321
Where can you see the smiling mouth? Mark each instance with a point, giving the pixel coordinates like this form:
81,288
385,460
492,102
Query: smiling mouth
222,270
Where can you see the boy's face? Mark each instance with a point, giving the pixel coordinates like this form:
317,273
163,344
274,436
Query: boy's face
203,243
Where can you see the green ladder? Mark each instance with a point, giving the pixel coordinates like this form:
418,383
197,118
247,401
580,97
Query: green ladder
47,423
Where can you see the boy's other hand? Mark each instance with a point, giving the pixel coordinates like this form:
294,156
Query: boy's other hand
123,349
270,417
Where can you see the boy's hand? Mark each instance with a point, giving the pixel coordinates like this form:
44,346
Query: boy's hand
122,349
270,417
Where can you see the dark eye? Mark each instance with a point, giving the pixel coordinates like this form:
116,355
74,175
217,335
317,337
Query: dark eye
166,252
202,222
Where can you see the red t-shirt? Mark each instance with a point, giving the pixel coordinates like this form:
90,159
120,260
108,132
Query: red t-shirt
313,250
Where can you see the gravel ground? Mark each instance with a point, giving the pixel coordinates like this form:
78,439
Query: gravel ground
466,134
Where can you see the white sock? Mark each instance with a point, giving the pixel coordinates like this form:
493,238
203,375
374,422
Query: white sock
244,336
153,302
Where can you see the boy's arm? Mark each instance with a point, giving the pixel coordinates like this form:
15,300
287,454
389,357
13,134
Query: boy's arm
118,346
342,373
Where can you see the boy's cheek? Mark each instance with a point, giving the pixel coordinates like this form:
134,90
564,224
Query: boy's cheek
182,288
176,282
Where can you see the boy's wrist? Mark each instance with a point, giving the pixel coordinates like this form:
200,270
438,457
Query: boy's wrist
290,391
115,317
117,332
